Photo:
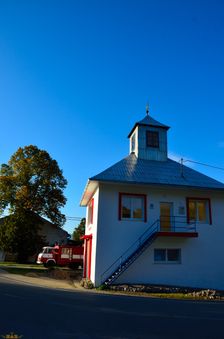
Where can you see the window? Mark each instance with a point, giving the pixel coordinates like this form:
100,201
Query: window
132,207
47,250
133,143
199,210
90,211
66,253
159,255
167,255
65,250
152,139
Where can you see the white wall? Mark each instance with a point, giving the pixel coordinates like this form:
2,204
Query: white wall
202,258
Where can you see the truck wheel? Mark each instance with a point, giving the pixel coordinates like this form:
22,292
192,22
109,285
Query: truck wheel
50,263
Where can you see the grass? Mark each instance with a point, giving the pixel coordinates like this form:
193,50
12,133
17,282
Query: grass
15,268
14,264
24,269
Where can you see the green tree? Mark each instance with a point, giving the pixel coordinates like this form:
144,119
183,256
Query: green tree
30,184
79,230
19,234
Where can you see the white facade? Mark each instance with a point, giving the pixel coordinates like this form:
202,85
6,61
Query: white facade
202,258
124,201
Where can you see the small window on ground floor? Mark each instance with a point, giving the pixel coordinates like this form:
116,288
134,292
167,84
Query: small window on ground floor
167,255
132,207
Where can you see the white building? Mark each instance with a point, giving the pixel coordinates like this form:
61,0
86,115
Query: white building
151,220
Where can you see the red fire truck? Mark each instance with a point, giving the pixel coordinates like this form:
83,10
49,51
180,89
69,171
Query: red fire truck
63,255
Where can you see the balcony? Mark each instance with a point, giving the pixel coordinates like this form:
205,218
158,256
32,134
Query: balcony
176,226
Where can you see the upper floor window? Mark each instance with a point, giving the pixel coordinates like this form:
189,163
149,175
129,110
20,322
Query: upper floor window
199,210
133,143
90,211
152,139
132,207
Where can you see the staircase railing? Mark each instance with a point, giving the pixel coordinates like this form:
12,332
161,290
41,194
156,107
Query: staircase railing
136,245
177,224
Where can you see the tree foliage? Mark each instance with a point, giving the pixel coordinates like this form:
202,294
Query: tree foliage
30,184
19,235
79,230
32,181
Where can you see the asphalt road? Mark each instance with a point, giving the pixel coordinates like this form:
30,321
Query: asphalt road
41,313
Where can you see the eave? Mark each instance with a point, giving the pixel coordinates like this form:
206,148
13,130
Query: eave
151,184
89,191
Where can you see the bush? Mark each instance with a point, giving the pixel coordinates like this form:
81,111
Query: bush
102,287
86,283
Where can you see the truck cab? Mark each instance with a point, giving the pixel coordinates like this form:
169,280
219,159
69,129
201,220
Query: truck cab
47,256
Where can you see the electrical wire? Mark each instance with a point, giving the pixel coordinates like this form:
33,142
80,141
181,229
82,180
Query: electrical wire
200,163
74,218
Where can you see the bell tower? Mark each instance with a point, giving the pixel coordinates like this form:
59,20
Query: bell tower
148,139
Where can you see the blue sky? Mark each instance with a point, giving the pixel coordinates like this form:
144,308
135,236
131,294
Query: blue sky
76,75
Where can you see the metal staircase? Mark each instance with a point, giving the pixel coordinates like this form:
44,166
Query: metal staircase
131,254
179,225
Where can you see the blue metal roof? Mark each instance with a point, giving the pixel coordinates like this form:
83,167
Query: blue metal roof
139,171
148,121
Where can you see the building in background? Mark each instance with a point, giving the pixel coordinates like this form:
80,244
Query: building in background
49,231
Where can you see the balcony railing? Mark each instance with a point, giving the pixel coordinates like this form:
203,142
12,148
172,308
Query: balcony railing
176,224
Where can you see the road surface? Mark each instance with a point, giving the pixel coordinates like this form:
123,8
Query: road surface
44,313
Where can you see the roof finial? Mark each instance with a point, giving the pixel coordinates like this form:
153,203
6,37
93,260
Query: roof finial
147,109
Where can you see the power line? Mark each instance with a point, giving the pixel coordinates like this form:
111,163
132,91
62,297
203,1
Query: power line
74,218
200,163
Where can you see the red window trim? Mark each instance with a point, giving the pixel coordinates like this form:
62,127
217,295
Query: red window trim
203,199
91,208
86,236
144,196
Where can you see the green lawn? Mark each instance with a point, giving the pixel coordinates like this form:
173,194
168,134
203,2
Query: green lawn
23,269
39,270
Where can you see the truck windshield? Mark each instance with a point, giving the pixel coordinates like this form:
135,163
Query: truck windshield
47,250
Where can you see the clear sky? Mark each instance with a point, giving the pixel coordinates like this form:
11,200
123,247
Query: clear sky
76,75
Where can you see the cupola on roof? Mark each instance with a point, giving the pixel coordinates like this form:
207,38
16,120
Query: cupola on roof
148,121
148,139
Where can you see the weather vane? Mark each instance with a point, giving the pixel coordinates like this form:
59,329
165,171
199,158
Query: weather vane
147,109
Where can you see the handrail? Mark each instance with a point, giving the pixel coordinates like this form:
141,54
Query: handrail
176,220
117,263
152,229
